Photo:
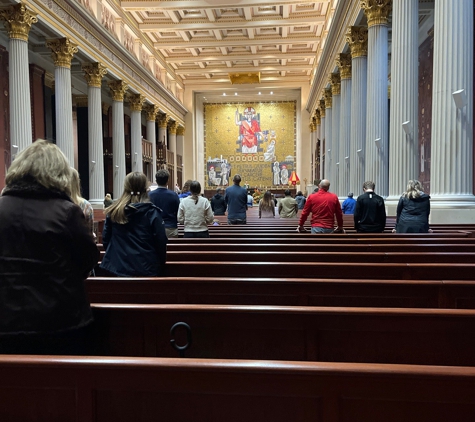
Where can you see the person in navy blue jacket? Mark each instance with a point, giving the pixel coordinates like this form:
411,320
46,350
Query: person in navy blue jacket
134,235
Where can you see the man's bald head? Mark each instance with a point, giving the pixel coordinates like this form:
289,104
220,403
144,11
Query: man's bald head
324,184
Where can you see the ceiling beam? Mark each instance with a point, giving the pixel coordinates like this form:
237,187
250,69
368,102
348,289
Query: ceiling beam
241,69
233,57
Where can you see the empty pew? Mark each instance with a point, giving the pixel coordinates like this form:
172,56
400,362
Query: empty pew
284,292
92,389
372,335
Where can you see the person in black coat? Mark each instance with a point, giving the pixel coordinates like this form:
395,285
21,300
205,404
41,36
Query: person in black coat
413,209
46,252
370,211
134,235
218,204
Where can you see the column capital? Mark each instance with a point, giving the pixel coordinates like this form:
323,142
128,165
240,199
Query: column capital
343,61
172,127
377,11
318,116
136,102
357,39
322,108
335,81
151,111
328,98
105,108
163,121
180,130
94,72
118,90
312,126
18,20
63,51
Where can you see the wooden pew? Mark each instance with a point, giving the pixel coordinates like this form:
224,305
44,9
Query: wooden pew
371,335
91,389
284,292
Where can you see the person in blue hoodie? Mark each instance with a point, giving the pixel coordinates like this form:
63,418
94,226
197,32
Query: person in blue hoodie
134,235
348,206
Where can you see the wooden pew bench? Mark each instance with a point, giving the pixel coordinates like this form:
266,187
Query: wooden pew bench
92,389
371,335
283,292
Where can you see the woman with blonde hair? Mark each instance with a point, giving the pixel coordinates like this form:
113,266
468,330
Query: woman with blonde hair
85,205
134,235
46,252
413,209
195,213
267,206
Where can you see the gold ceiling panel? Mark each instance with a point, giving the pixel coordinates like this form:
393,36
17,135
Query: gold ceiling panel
245,78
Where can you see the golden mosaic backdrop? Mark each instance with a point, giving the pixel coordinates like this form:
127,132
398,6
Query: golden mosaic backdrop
253,139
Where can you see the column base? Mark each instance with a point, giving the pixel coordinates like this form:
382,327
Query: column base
452,209
391,205
97,204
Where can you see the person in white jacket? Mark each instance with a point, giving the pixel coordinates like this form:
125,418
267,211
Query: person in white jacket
195,213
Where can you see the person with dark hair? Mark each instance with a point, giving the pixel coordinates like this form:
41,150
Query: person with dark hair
218,204
236,201
267,206
46,252
324,207
370,211
167,201
195,213
413,209
300,200
348,206
134,235
186,190
288,207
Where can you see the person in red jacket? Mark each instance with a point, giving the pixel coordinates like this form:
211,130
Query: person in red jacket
324,207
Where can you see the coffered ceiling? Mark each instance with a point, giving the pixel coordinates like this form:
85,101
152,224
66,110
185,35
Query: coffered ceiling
246,41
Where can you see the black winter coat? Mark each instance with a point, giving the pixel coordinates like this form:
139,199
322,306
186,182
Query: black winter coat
218,204
46,252
412,215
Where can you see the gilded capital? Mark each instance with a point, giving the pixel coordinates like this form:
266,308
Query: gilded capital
94,72
336,83
318,116
357,39
172,127
377,11
344,64
105,108
118,90
322,108
18,20
180,130
151,111
328,98
311,126
136,102
163,121
63,51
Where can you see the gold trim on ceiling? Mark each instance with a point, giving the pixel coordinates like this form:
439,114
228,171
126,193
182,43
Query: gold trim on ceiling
245,78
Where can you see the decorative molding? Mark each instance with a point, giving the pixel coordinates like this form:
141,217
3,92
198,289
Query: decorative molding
245,78
63,51
18,20
80,100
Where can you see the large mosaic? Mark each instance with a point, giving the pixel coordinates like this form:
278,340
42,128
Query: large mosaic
253,139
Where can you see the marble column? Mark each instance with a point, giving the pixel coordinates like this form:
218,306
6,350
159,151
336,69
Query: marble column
336,107
94,72
313,141
377,117
180,147
152,111
451,178
18,20
323,149
63,51
136,102
172,128
357,39
118,90
318,134
344,64
330,160
403,141
163,120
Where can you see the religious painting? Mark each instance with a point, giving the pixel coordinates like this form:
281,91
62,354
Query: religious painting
254,140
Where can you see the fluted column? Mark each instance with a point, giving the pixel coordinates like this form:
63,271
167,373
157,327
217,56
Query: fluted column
18,20
152,111
323,149
344,64
94,72
357,39
336,107
162,128
330,161
318,134
172,128
136,103
377,119
118,90
63,51
451,186
180,145
313,141
403,146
